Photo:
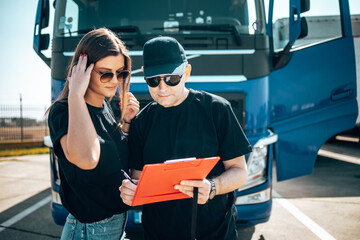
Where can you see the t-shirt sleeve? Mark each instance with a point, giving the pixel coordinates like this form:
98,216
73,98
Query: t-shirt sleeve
136,146
232,140
58,126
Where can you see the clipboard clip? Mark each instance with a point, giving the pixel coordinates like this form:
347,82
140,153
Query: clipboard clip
180,160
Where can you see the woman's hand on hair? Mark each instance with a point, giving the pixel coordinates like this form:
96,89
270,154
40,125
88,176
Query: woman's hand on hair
80,77
132,107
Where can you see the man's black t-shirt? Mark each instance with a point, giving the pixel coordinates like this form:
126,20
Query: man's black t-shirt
91,195
204,125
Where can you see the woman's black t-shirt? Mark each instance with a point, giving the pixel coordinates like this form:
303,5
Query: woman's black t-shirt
203,125
91,195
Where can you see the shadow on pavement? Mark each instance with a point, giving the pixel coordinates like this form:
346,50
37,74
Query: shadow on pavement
37,225
330,178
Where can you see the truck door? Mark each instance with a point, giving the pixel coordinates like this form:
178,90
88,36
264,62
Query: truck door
313,87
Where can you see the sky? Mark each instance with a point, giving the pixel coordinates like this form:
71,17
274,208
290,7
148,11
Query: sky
22,71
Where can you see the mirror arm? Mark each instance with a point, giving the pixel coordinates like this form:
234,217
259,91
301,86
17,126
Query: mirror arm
45,59
282,57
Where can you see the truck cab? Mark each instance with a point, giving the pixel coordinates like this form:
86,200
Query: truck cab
291,84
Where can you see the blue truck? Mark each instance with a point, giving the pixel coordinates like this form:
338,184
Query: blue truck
287,67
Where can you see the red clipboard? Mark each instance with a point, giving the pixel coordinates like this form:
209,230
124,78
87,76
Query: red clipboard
157,181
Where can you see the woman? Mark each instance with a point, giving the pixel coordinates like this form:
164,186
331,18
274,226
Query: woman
90,145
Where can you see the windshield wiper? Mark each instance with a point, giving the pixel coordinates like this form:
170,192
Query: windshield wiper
234,29
118,29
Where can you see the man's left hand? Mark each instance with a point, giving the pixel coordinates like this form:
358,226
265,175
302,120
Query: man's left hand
187,187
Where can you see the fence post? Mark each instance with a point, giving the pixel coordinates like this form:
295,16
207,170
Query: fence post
21,120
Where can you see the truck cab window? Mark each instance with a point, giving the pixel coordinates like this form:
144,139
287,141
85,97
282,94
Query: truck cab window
67,19
76,17
280,24
324,23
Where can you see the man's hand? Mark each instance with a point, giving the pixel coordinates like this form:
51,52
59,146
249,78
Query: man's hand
127,191
187,187
233,178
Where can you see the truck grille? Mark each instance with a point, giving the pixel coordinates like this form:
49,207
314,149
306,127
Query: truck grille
237,101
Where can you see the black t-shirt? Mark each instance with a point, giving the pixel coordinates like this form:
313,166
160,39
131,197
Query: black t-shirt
204,125
91,195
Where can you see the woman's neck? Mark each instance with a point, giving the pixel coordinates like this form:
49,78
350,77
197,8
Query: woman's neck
94,99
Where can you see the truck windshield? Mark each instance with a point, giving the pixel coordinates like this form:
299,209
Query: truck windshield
76,17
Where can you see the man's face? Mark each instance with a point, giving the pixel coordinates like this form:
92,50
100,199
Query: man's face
170,96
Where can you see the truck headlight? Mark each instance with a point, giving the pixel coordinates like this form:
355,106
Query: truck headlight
258,197
55,197
256,165
54,161
258,162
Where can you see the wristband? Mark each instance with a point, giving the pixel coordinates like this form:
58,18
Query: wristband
125,134
127,122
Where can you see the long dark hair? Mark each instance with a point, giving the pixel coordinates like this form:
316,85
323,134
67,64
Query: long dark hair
98,44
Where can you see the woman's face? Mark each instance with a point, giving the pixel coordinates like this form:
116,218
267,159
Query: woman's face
99,89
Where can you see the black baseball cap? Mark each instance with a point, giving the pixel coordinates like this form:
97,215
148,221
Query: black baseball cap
163,56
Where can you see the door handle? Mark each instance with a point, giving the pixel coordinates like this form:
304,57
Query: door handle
341,94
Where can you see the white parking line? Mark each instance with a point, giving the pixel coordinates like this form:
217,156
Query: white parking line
310,224
24,213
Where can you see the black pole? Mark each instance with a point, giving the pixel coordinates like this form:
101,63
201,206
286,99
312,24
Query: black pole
21,120
194,214
45,125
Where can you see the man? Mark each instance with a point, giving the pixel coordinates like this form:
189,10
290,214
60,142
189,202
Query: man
182,123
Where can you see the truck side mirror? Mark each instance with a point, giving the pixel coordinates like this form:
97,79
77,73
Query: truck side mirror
305,5
44,14
297,29
304,28
294,21
298,25
42,41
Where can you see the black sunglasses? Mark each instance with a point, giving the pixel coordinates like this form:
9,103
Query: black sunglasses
108,76
171,80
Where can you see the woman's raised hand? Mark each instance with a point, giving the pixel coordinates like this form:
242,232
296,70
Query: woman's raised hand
80,77
132,107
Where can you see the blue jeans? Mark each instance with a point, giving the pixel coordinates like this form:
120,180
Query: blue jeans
111,228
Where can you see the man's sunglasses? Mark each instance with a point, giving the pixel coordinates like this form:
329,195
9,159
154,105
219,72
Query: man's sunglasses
108,76
171,80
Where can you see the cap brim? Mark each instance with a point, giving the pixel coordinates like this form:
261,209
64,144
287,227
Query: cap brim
164,69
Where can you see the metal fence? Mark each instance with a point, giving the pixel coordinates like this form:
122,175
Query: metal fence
22,123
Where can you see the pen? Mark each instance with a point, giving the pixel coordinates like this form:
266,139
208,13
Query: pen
127,176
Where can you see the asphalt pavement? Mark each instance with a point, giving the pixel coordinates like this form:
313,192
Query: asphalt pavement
323,205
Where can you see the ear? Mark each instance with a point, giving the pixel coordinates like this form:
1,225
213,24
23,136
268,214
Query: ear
188,69
142,68
187,72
